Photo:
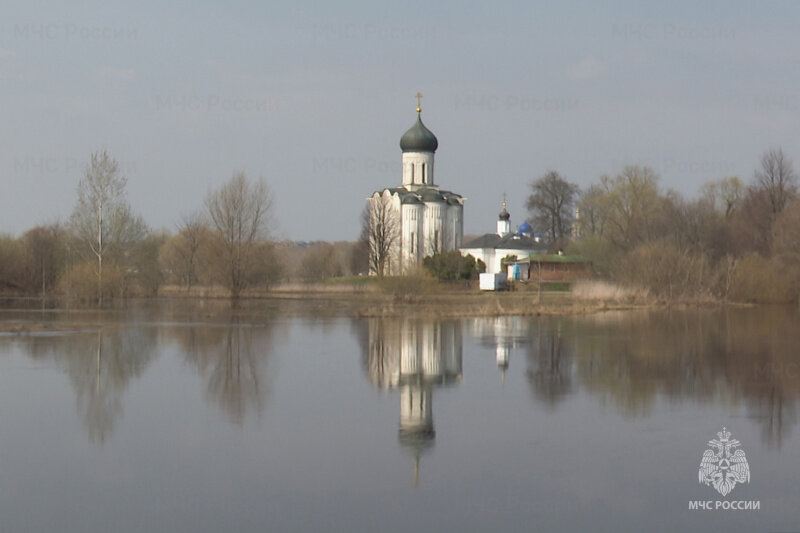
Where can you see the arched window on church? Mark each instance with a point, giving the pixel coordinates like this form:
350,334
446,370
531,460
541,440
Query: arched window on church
423,173
412,172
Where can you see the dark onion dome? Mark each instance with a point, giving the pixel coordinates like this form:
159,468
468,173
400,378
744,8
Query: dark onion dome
504,214
525,228
419,138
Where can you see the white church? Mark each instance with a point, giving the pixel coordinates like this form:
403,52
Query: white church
418,218
492,248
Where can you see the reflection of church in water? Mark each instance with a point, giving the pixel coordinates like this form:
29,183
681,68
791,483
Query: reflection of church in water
415,357
503,333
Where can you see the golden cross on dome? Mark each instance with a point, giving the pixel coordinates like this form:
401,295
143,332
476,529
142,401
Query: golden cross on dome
419,105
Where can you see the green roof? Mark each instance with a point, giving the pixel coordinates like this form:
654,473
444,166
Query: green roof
555,258
424,195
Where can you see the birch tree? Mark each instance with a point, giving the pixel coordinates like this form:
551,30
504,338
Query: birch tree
102,218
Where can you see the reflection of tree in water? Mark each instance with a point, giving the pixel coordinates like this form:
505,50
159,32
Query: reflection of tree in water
100,366
232,359
629,360
549,364
776,413
768,371
413,356
738,356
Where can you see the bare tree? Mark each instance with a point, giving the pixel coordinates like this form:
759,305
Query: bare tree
102,218
380,229
319,262
180,256
552,204
750,227
777,178
47,255
239,212
359,252
632,206
13,263
593,207
693,226
724,194
786,229
191,229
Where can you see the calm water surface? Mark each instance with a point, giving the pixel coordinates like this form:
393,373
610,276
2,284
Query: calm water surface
280,419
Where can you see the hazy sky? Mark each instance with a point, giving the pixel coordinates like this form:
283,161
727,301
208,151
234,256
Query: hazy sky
314,97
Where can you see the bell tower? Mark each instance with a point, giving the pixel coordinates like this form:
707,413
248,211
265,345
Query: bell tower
503,224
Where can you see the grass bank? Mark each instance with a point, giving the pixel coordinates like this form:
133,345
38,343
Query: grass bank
395,297
421,296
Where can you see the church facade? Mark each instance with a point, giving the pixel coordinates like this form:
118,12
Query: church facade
416,219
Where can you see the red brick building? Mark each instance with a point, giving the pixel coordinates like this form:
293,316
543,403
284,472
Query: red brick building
550,267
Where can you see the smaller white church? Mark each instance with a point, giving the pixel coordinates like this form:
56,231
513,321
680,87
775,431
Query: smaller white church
416,219
491,248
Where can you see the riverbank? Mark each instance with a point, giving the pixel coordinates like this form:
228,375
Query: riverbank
424,297
420,298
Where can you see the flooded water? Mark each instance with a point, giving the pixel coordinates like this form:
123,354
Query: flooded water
282,418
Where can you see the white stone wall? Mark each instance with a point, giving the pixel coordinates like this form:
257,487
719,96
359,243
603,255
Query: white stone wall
484,254
425,228
417,169
497,258
503,227
412,215
454,227
500,254
492,258
432,229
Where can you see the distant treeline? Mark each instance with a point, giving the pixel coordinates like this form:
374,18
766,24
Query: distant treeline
738,241
106,251
51,260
